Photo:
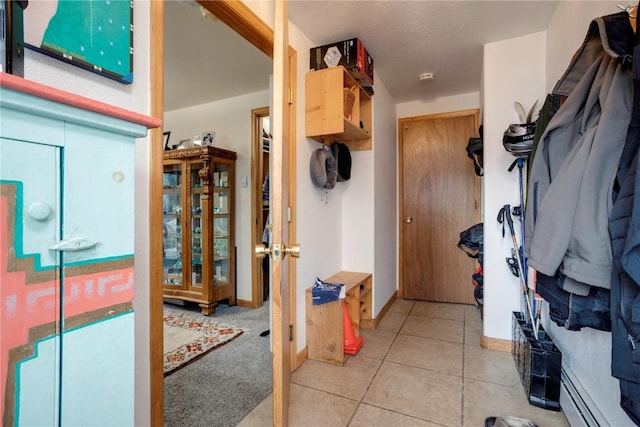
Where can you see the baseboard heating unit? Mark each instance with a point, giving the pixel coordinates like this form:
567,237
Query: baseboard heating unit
576,404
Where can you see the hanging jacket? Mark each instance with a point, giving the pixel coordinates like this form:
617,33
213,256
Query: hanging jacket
624,227
572,172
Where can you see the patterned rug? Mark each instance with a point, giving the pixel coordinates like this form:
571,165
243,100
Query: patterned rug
187,337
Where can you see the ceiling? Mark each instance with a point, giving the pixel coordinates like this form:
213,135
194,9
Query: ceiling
206,61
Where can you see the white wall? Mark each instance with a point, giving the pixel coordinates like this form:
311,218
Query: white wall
385,203
587,351
231,120
513,71
336,227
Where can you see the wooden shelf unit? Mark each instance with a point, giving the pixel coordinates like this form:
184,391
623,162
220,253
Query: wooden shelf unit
325,327
324,107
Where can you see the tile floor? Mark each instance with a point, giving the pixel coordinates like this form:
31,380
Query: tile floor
423,366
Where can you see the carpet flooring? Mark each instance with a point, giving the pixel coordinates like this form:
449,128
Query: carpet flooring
223,386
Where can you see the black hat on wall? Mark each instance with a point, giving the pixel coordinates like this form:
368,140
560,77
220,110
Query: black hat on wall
343,159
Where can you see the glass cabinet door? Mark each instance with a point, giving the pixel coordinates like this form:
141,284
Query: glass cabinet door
221,224
196,224
172,225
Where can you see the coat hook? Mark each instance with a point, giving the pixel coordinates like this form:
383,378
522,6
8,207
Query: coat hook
628,8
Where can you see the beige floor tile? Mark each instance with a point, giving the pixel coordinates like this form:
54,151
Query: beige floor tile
472,333
482,400
439,310
401,306
392,322
314,408
491,366
350,381
376,343
420,393
472,314
427,353
260,416
370,416
430,327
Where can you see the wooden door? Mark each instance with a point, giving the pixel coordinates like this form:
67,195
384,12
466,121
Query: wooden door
278,199
440,198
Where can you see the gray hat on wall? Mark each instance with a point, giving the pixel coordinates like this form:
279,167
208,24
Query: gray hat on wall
323,168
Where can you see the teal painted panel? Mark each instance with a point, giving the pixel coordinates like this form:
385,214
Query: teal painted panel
99,172
42,130
37,385
97,377
34,170
98,374
18,101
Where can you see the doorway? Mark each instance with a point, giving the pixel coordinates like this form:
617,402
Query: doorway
440,197
261,143
248,25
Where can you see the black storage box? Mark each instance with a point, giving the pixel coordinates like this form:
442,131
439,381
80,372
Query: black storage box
538,362
349,53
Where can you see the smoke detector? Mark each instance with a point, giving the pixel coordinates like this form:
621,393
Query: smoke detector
426,76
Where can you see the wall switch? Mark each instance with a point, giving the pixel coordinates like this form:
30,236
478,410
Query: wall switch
244,181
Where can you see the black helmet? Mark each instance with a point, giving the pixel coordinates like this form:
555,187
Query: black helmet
518,139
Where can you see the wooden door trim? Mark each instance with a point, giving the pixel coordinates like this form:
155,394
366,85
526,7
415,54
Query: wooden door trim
257,167
401,121
247,24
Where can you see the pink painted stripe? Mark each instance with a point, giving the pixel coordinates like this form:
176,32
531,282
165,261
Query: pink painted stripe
19,84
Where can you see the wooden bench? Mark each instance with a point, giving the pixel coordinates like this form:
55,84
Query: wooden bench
325,327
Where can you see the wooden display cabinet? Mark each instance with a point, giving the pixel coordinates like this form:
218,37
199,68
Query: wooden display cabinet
198,226
326,118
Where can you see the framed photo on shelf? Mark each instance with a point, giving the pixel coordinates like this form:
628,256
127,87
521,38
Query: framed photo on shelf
208,138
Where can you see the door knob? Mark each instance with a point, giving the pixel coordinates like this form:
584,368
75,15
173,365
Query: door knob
262,251
408,219
277,251
293,250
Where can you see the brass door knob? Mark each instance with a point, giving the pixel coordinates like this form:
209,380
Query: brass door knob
408,219
293,250
262,251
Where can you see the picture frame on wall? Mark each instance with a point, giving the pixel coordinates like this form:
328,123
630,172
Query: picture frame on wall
166,145
101,40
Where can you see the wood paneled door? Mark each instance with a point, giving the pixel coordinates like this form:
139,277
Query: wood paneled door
440,197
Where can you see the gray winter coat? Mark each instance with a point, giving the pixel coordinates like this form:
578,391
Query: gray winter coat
571,175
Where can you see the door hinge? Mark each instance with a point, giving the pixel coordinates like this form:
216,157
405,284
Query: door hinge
290,95
289,213
290,332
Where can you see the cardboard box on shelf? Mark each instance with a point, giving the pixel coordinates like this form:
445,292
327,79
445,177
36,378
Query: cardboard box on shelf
349,53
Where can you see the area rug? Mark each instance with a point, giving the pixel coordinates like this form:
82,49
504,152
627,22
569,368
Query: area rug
187,337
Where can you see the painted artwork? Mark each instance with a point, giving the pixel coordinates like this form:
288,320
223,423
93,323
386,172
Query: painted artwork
96,35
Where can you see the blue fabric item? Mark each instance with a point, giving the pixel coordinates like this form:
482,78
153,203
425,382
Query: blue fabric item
574,312
624,229
322,292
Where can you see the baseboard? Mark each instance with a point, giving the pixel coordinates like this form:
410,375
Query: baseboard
375,322
495,344
576,403
244,303
300,358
